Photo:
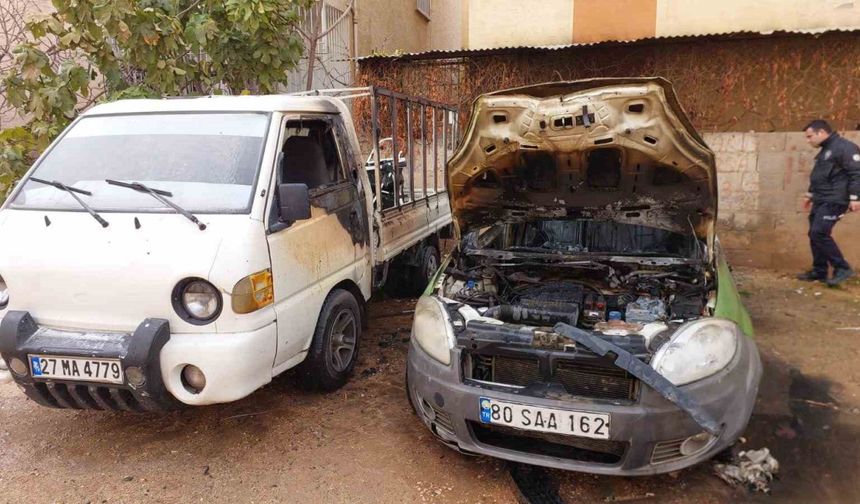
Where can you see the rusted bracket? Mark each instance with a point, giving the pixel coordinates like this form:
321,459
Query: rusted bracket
645,373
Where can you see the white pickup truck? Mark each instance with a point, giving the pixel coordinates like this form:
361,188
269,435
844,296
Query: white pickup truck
174,251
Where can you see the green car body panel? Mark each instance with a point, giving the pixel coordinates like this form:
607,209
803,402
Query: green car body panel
729,304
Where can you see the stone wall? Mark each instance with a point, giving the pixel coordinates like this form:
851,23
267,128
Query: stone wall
762,179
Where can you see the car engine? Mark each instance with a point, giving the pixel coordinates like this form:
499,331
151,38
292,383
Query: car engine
617,299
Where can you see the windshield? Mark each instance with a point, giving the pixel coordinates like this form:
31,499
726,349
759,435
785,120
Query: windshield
586,237
209,162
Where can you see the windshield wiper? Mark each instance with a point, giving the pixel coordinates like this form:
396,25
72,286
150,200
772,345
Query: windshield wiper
160,196
72,190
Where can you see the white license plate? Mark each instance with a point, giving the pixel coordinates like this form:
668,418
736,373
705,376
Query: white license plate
519,416
76,368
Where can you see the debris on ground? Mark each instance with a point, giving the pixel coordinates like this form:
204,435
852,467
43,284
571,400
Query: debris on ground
631,498
753,468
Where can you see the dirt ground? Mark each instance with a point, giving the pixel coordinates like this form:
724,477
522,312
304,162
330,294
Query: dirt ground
362,444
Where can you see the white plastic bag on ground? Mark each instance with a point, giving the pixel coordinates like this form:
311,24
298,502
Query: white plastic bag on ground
754,468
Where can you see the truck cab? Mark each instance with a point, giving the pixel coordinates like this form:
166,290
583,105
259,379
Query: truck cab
186,251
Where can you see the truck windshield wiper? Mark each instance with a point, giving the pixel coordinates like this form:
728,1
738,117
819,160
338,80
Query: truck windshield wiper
72,190
160,196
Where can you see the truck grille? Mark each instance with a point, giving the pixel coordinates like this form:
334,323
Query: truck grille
591,377
63,395
600,451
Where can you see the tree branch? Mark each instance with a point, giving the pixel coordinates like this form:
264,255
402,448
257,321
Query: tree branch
183,11
338,21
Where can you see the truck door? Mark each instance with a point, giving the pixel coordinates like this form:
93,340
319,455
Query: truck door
311,256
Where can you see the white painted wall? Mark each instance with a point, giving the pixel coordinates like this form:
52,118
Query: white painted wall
696,17
500,23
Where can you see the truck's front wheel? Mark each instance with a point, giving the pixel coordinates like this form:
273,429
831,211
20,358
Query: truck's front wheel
334,349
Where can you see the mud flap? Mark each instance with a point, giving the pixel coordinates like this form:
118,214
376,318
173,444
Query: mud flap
645,373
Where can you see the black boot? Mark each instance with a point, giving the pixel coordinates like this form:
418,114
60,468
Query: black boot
812,276
840,275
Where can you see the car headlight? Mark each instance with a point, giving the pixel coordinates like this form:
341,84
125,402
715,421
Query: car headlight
4,294
697,350
197,301
431,329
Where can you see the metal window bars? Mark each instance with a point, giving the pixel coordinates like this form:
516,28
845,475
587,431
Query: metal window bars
395,119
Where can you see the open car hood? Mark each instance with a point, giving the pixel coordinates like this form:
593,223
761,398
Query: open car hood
617,149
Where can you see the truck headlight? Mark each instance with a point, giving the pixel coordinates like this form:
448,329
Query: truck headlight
432,329
4,294
697,350
197,301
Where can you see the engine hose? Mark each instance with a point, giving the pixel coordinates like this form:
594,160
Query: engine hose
517,313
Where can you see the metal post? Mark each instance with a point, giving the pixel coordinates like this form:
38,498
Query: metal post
435,154
374,123
445,143
424,146
410,155
395,161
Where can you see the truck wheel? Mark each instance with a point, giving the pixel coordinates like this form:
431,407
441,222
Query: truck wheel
334,349
427,266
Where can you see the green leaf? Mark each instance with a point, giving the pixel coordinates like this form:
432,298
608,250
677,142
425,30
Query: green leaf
122,47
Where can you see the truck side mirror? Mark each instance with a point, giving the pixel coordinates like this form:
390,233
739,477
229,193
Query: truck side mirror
294,202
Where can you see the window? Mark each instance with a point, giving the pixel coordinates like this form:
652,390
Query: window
310,155
423,6
208,161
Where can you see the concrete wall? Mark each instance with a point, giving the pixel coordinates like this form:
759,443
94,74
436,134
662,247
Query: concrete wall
693,17
762,178
505,23
386,27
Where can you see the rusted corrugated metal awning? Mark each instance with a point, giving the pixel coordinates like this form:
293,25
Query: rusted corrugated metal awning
464,53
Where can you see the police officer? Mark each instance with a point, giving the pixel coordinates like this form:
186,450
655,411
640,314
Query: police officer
834,189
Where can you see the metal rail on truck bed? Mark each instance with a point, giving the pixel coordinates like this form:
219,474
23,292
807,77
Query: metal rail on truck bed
408,203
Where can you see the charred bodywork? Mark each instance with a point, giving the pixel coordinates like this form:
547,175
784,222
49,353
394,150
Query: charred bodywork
586,320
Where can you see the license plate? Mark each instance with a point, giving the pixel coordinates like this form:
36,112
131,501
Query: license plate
76,368
519,416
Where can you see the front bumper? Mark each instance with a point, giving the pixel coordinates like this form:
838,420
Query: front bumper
643,434
234,364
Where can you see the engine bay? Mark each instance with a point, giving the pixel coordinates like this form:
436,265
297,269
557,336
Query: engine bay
611,296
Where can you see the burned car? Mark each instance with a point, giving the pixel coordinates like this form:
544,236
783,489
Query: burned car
587,319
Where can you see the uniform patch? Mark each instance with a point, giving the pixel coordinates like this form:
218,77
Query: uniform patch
856,158
827,154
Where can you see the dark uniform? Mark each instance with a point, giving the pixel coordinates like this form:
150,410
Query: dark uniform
835,180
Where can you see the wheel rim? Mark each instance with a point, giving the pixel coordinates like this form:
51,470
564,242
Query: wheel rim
344,332
430,266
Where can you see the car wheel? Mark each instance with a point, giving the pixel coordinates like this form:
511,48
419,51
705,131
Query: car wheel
334,349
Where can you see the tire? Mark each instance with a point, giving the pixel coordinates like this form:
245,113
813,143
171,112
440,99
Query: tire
334,349
428,264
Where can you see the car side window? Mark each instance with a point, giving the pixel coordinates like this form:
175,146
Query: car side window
310,155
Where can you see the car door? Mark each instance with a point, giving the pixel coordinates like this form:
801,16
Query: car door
310,256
